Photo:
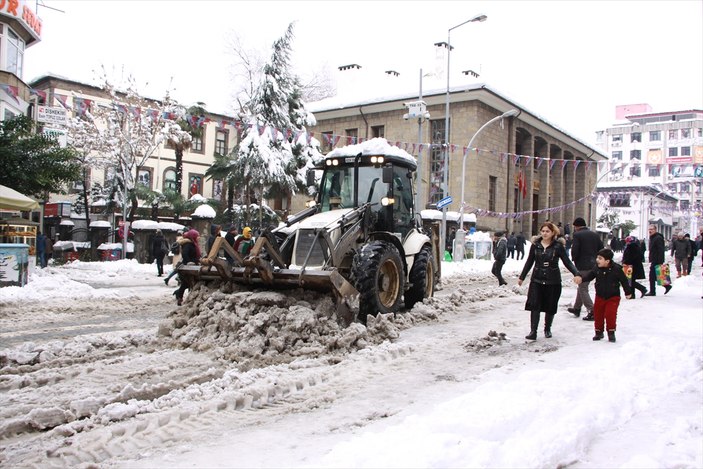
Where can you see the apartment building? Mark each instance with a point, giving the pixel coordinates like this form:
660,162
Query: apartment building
516,175
219,136
654,152
20,28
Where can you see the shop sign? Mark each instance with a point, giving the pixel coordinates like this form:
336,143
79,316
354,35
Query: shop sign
20,11
51,115
60,135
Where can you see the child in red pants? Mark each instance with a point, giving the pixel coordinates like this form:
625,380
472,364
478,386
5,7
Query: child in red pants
609,277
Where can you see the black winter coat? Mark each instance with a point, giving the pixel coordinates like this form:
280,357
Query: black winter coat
633,256
188,253
584,248
608,280
501,250
158,246
546,262
656,249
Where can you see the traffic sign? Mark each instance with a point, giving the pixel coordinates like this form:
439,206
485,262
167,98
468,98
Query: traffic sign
445,201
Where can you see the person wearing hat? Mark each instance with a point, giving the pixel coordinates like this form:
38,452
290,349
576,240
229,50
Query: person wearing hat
584,247
609,277
244,242
500,254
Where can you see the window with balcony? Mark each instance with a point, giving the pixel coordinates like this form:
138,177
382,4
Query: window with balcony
636,137
635,155
616,155
673,151
655,136
617,138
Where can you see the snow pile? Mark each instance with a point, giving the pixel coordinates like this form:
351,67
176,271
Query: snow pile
264,327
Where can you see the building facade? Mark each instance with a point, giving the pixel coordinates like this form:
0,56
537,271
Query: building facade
19,28
661,150
219,136
516,175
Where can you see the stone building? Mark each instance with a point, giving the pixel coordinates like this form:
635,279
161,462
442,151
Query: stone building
517,175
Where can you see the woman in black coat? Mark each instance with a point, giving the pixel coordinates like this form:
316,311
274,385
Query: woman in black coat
633,257
545,283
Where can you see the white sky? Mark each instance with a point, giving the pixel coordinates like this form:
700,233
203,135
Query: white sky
571,62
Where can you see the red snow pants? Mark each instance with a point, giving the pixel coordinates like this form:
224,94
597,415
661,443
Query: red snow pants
605,311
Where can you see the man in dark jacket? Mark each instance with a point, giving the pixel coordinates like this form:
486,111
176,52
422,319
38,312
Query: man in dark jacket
584,248
159,250
656,257
520,246
500,253
512,242
680,251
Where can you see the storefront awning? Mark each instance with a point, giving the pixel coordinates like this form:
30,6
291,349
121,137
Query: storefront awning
10,199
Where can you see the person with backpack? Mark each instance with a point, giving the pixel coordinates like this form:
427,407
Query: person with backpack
159,250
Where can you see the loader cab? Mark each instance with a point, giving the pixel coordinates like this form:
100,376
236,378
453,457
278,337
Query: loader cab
383,181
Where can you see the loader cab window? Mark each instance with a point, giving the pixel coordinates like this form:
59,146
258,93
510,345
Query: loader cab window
403,207
337,188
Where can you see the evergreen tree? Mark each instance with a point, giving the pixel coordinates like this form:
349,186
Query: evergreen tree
31,163
275,149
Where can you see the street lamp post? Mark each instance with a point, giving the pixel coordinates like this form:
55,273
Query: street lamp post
461,234
445,176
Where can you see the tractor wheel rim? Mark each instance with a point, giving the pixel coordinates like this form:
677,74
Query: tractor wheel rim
388,283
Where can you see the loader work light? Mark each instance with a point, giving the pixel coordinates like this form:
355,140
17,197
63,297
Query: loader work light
376,160
386,201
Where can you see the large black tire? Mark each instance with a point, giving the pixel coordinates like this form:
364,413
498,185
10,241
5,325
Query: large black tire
378,276
422,278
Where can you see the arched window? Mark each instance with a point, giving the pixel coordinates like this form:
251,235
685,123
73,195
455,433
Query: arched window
170,179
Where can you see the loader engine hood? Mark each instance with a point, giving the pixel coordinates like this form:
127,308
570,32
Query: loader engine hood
308,250
320,220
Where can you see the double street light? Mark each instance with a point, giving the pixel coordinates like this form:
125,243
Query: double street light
443,230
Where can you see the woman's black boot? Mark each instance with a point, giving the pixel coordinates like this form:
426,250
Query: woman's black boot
534,324
548,319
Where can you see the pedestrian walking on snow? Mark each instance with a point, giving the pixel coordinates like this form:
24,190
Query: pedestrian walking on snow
632,256
657,252
584,247
500,254
545,284
512,242
520,246
609,277
159,249
680,250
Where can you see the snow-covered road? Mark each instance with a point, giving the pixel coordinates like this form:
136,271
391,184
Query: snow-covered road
144,395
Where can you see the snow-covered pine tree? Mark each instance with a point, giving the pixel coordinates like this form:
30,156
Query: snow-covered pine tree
275,149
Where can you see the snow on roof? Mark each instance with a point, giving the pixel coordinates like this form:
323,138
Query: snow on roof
375,146
155,225
67,223
100,223
205,211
